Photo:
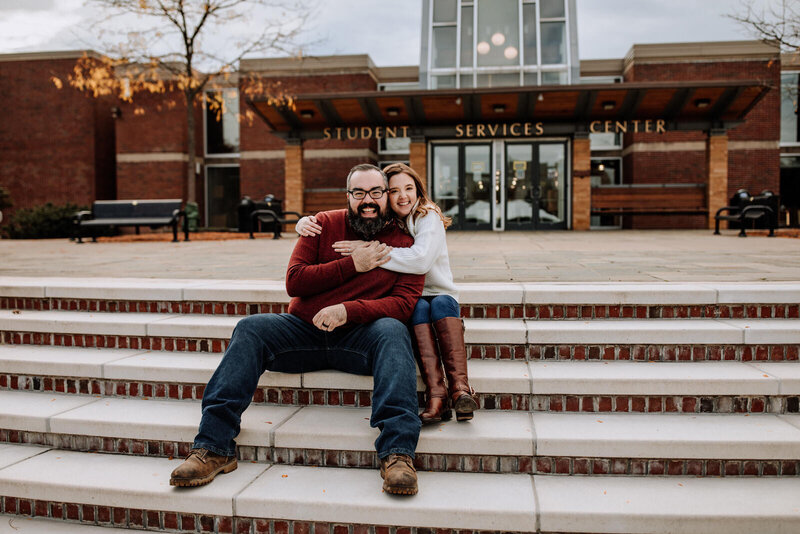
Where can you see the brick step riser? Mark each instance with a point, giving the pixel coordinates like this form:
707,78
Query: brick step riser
478,311
778,404
174,522
483,351
460,463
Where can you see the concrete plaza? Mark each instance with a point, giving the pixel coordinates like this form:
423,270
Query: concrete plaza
597,256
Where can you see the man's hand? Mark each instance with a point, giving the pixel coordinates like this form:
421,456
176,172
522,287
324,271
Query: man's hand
346,248
330,317
308,226
370,256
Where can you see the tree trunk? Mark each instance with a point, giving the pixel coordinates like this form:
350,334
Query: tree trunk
191,193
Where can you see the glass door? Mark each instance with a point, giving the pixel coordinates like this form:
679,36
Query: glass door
477,187
462,184
534,184
222,196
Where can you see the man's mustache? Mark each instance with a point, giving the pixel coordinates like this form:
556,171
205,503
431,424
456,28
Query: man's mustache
371,205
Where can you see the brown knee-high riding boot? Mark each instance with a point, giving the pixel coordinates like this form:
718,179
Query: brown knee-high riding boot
436,404
450,332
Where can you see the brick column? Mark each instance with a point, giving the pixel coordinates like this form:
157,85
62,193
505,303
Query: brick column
418,157
717,168
581,182
294,185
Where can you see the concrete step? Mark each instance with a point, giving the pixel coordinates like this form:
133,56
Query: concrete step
609,339
160,374
573,386
478,300
634,444
91,488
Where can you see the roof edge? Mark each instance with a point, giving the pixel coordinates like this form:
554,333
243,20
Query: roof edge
49,55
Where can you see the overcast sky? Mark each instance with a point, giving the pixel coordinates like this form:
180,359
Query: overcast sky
389,30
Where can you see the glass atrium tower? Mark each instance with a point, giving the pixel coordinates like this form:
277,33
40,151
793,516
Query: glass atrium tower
495,43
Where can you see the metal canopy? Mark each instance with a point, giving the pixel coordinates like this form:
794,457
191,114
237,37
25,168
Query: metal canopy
697,105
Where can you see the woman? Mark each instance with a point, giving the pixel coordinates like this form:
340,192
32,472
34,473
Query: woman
436,315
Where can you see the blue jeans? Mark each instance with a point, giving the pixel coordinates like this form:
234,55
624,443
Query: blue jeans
285,343
431,309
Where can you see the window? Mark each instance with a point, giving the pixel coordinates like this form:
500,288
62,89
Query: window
529,34
222,123
554,43
444,46
498,33
444,34
493,43
790,133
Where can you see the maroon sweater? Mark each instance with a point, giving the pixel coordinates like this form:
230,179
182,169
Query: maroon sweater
318,276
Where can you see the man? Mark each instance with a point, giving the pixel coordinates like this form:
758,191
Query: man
344,314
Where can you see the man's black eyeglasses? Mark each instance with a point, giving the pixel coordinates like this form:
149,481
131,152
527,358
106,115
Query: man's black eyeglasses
359,194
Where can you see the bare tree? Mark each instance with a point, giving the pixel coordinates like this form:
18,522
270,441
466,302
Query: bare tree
192,46
778,21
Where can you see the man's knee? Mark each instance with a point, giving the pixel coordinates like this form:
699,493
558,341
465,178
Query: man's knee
256,325
390,329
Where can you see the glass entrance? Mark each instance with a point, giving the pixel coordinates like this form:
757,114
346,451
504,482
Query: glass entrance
535,192
462,184
524,189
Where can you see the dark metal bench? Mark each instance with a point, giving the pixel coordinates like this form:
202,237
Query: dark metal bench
746,209
137,213
271,216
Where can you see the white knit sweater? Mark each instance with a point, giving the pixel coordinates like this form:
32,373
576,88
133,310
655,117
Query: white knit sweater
428,256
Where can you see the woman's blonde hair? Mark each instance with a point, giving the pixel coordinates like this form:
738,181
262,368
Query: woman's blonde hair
424,203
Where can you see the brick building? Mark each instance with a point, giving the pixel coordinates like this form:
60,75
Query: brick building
509,128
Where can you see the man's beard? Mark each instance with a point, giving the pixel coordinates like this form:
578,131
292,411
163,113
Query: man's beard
366,229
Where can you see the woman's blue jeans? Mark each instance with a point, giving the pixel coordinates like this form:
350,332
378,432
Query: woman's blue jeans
431,309
285,343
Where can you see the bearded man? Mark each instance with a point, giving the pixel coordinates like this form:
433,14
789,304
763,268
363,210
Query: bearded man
344,314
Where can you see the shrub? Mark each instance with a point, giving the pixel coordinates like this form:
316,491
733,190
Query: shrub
43,222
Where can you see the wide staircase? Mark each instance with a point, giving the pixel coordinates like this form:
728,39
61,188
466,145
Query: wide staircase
604,408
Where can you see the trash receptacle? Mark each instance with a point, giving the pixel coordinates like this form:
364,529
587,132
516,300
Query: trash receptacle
269,203
244,210
192,215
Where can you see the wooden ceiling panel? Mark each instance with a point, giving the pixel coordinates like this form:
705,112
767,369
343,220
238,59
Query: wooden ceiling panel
561,104
742,102
272,115
655,101
396,104
440,109
610,98
304,108
701,102
499,107
350,111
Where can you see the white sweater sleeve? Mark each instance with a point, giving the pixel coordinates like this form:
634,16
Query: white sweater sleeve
428,244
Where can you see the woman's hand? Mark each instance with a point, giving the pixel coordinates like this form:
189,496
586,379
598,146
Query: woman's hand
308,227
346,248
372,255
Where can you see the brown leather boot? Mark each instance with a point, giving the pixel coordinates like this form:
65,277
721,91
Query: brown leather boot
200,467
398,474
436,403
450,332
